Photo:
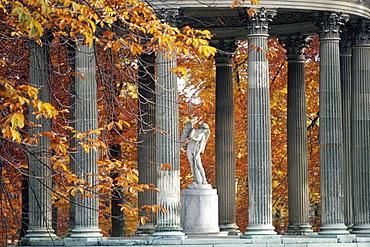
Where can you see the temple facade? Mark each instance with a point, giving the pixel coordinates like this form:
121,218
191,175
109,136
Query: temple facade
344,34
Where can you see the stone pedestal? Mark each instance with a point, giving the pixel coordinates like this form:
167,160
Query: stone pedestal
200,210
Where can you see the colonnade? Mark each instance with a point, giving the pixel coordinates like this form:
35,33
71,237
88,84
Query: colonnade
344,142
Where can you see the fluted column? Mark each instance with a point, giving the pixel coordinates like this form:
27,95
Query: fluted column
297,138
40,182
361,128
168,141
167,144
259,127
225,139
146,139
345,77
85,117
331,138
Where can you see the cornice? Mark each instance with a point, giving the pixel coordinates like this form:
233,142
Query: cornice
359,8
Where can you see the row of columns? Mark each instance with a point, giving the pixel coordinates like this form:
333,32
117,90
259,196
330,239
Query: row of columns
83,117
336,212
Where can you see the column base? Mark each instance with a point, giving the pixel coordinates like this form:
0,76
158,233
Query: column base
260,230
333,229
145,230
159,229
298,229
86,232
349,227
264,240
38,234
232,229
361,229
169,235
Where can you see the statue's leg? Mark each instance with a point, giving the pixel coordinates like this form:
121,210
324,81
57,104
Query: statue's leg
196,174
191,163
200,169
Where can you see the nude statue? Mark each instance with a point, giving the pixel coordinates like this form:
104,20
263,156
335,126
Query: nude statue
197,142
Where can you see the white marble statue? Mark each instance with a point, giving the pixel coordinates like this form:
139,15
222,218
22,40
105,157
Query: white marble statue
197,142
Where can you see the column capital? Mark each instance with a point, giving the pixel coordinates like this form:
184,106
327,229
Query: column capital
329,24
360,31
225,51
258,21
169,15
345,44
295,46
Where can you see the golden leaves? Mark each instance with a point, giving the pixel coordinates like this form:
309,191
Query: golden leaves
44,109
164,166
236,4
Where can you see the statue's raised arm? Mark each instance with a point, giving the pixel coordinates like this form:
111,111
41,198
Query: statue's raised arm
196,145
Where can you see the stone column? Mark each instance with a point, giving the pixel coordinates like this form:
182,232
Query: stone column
345,77
259,127
297,138
167,146
225,140
40,182
146,140
331,139
84,115
361,128
168,141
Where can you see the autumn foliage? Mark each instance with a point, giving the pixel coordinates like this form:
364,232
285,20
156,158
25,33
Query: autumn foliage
121,31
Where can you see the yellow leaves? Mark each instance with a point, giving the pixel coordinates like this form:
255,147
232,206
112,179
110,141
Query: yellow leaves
116,45
14,100
207,50
119,124
74,190
58,144
27,21
11,133
179,70
17,120
44,109
136,49
85,146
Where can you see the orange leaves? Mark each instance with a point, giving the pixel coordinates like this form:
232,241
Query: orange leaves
119,124
179,70
235,4
168,166
154,209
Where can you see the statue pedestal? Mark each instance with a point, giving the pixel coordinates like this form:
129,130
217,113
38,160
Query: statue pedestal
200,210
